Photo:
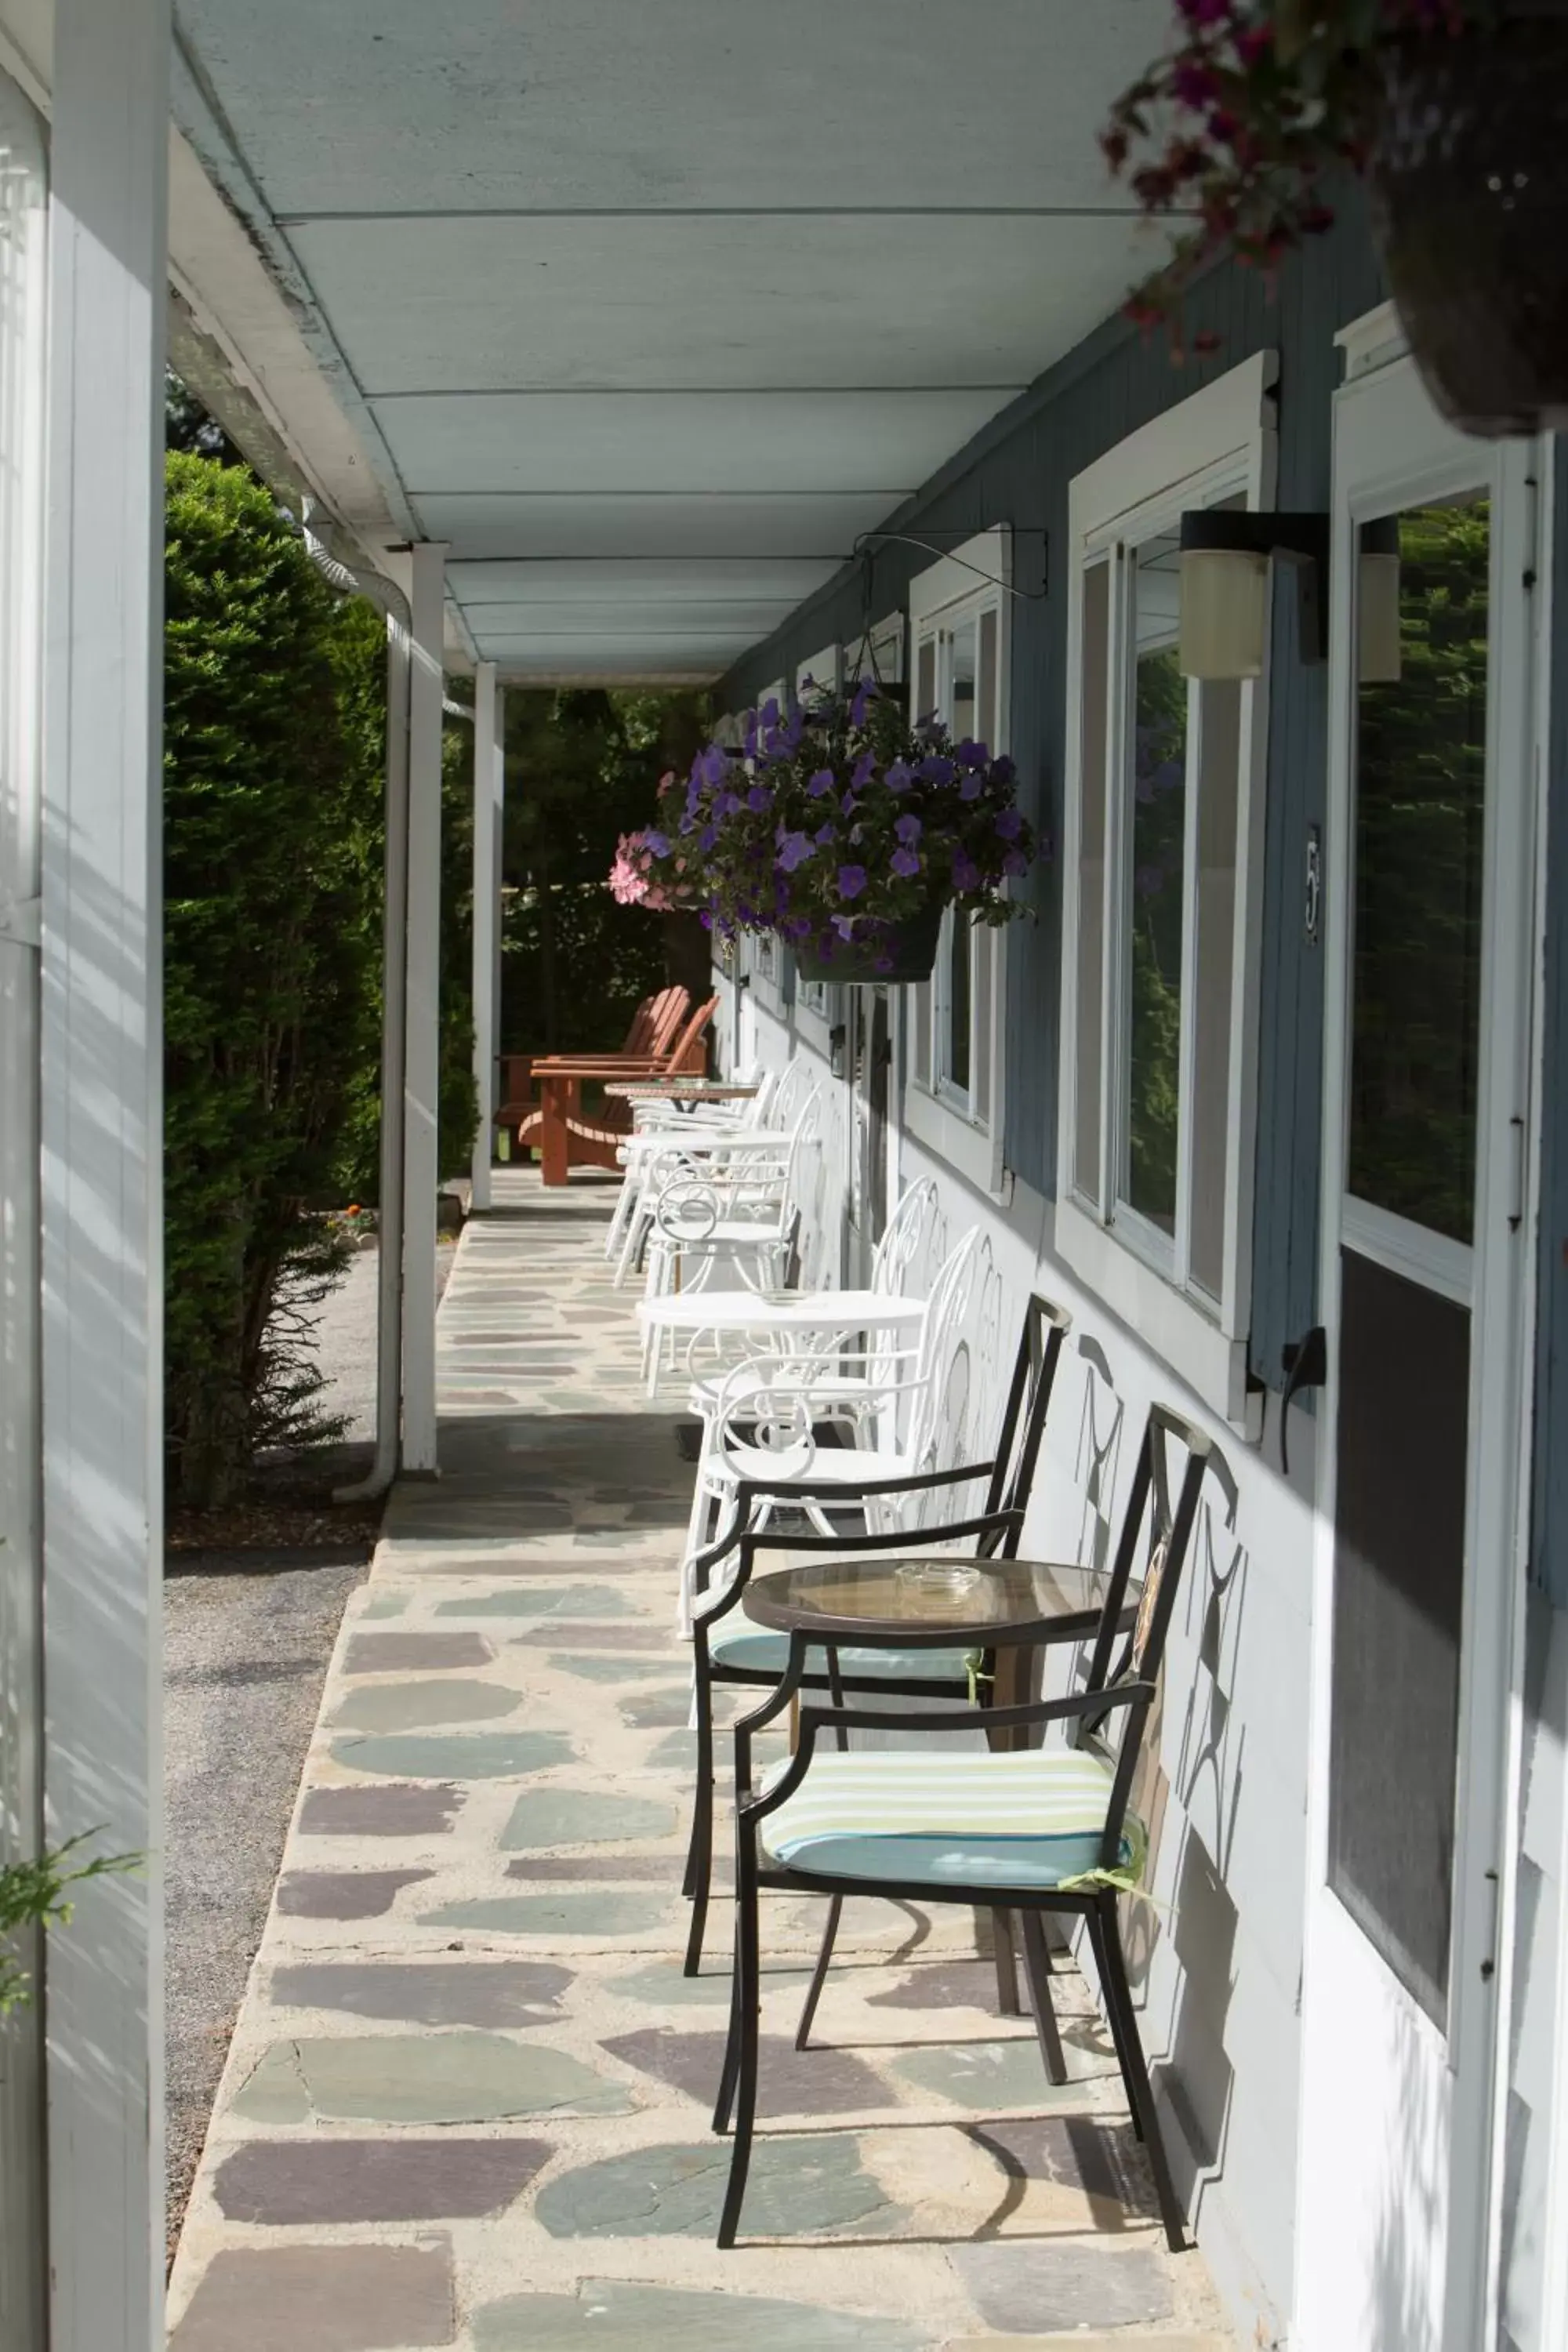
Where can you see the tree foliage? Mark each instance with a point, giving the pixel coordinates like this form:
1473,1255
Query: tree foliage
272,791
583,767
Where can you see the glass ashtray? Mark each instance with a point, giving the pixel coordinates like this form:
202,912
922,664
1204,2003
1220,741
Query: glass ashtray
948,1576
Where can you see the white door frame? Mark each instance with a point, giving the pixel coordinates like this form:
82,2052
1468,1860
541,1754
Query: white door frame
1457,2200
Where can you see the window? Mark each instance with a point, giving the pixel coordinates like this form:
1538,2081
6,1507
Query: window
766,961
1159,989
956,626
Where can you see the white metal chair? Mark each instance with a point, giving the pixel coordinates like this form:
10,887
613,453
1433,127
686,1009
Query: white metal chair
727,1151
894,1407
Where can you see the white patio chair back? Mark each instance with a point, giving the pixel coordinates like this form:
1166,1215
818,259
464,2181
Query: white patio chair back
910,1251
790,1088
956,1377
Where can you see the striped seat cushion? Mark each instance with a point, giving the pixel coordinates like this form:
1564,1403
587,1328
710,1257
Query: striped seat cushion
738,1641
1027,1820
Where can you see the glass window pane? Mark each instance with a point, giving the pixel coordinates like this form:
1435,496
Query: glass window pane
920,1023
1156,889
1218,780
925,679
955,955
982,949
1419,834
962,681
985,726
1088,1042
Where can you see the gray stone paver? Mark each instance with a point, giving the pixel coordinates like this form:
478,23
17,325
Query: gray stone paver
514,1757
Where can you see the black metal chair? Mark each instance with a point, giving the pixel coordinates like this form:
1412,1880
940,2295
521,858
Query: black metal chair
1041,1831
728,1650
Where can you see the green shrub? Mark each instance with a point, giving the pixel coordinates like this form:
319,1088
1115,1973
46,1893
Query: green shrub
272,878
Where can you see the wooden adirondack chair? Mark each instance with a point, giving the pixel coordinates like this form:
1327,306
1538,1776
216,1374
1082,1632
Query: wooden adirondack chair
652,1031
567,1134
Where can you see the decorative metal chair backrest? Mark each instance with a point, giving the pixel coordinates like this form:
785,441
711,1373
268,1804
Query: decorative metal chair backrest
791,1087
913,1244
962,1302
1026,1405
1157,1529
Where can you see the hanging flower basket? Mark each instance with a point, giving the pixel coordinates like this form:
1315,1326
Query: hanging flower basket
1469,184
842,828
1456,112
898,952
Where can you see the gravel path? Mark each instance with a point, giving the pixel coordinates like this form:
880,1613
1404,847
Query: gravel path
247,1637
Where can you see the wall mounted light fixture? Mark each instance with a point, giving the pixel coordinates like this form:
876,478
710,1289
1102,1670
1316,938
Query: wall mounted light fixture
1379,656
1225,554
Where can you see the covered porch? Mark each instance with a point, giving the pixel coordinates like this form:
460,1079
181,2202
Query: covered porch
468,2100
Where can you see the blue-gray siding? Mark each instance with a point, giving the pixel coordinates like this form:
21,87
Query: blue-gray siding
1017,471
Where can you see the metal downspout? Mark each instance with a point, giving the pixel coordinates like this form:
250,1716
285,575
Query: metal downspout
383,1468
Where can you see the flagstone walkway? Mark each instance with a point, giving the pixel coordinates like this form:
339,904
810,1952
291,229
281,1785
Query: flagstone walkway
467,2101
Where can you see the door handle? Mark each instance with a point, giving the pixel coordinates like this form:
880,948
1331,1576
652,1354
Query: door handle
1305,1363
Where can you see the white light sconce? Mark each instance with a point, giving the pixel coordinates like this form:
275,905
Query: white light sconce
1224,555
1379,657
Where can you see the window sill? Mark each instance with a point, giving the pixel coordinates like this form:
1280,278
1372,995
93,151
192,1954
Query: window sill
1172,1327
972,1152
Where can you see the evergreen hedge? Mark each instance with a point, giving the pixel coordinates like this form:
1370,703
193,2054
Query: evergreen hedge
274,734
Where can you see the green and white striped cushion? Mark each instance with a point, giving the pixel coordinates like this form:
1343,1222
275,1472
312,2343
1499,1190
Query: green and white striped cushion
739,1641
963,1819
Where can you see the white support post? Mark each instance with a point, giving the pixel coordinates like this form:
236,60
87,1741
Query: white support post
489,785
422,1067
24,249
101,1185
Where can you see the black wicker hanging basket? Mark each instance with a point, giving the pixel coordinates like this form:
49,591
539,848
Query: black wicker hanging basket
898,952
1469,186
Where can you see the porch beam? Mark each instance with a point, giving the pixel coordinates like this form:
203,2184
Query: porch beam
489,788
101,1118
422,1062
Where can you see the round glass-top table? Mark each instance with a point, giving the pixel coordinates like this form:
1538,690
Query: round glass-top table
1014,1608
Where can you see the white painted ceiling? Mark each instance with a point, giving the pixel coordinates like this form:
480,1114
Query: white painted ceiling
649,307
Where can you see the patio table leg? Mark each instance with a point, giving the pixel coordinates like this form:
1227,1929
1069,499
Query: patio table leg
1012,1685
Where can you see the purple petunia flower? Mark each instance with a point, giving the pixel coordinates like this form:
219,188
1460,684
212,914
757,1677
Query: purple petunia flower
851,881
760,799
865,769
845,926
966,873
1003,771
793,850
936,770
971,755
900,776
657,842
908,829
827,832
726,804
823,781
1010,824
970,786
905,862
865,694
707,837
769,713
1015,862
883,963
706,919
